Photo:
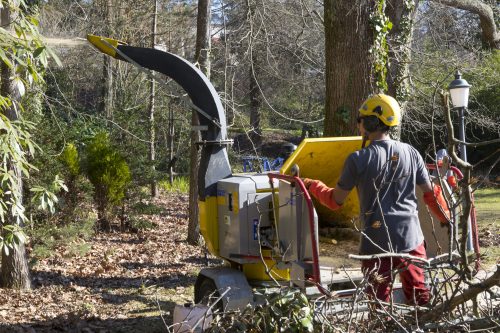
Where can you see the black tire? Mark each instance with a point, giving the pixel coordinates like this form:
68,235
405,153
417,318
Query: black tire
206,293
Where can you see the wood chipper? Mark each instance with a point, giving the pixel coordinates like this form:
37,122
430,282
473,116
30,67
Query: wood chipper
263,225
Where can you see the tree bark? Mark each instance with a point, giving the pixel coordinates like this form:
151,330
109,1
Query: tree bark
15,272
401,14
202,57
152,138
348,73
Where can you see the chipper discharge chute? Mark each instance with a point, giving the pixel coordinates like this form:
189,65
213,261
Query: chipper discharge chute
264,226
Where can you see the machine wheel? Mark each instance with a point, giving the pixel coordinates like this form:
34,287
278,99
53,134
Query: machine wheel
206,293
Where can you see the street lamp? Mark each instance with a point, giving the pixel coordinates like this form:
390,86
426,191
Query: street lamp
459,92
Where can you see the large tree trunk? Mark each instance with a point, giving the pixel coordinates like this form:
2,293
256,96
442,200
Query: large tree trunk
152,94
202,57
401,14
348,38
15,272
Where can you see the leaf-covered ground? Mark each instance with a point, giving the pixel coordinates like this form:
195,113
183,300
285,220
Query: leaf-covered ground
120,285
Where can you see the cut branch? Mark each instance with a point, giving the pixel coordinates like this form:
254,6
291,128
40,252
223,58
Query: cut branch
468,294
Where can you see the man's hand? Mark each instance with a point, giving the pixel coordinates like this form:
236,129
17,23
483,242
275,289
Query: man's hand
308,182
323,193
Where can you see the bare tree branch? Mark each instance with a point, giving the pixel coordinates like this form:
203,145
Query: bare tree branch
490,33
480,144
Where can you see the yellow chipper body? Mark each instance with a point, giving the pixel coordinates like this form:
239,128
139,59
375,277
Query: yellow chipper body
243,212
264,225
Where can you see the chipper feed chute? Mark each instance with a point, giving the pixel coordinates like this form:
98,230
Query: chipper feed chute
323,158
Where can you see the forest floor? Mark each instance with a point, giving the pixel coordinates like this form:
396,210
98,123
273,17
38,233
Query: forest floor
130,282
119,285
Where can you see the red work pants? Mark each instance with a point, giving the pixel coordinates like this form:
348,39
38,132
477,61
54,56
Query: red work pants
411,276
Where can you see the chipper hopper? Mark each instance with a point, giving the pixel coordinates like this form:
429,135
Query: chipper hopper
264,225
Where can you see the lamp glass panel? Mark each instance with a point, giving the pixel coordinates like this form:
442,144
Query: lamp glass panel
459,97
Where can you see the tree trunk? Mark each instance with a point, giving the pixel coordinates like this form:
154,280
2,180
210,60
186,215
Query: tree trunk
103,223
348,74
170,143
108,66
255,103
401,14
203,41
254,91
152,94
15,272
202,57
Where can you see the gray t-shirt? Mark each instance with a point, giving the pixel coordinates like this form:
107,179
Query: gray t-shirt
386,174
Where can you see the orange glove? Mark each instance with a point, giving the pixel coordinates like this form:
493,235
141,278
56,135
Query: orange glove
437,204
307,182
323,193
452,181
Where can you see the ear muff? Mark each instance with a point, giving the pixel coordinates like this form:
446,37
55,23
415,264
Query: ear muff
373,124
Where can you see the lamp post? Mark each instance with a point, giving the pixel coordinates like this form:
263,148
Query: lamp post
459,92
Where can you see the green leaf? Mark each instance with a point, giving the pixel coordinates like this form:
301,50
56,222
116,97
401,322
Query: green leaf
43,59
38,51
34,20
307,323
20,85
5,59
54,56
18,30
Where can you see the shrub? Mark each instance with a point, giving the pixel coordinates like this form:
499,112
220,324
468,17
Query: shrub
109,174
69,158
180,184
71,161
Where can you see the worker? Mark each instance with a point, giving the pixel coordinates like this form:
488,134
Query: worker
386,174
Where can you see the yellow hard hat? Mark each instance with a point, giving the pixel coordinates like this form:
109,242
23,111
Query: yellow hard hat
384,107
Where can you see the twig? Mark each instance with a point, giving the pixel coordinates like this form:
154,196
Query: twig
389,255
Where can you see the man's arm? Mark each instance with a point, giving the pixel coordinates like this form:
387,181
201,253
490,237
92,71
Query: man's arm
434,199
330,197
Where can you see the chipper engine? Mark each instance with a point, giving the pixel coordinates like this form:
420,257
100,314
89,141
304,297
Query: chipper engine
264,225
